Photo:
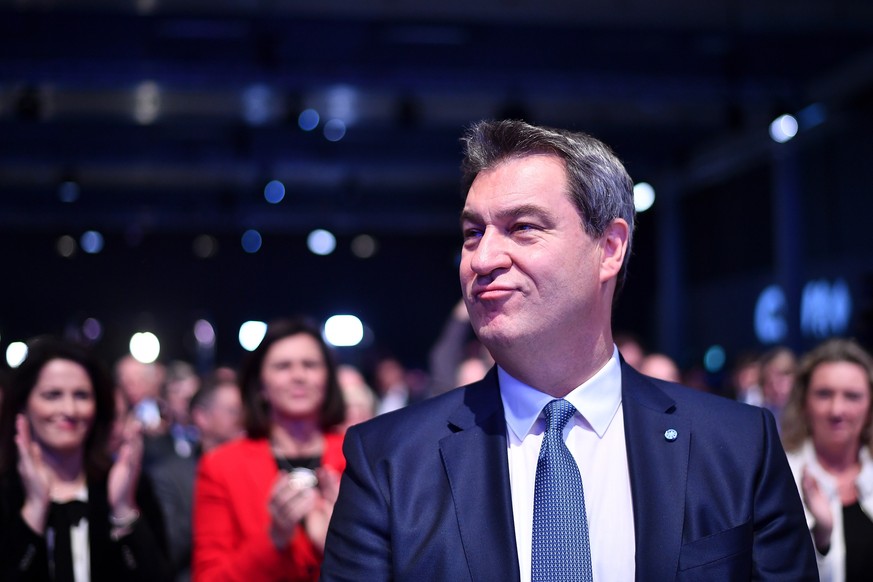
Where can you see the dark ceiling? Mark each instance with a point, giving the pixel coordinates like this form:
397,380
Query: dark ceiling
173,116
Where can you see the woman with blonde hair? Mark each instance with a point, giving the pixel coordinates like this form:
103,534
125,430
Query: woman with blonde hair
827,434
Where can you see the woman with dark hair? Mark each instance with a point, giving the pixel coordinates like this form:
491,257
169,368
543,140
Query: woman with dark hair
827,435
68,512
262,504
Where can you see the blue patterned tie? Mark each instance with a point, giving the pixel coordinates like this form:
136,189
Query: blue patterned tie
560,527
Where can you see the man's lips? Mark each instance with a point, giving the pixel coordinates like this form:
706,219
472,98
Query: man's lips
486,293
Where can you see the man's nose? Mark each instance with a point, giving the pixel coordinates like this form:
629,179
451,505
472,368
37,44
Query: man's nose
491,253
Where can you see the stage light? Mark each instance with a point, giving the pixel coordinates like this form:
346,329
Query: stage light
145,347
321,242
343,330
16,353
783,128
644,196
251,334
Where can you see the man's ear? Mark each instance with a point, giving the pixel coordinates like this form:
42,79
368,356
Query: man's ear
613,245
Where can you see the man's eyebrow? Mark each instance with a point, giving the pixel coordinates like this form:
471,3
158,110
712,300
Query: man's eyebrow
514,212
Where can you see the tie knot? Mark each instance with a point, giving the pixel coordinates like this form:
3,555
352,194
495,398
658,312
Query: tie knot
558,412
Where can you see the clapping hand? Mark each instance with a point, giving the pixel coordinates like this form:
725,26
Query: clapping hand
36,477
318,519
124,474
289,502
292,502
819,506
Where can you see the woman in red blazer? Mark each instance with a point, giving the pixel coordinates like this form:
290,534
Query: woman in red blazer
262,504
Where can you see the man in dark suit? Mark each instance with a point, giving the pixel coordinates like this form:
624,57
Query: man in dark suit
678,485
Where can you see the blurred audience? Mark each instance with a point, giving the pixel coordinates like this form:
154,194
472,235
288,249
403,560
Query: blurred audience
359,398
181,384
827,434
68,511
215,411
143,388
394,391
660,366
262,503
630,348
745,379
778,367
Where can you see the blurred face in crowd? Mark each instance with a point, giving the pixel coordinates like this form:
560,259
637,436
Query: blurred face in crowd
138,381
294,378
61,407
179,393
777,377
221,419
838,405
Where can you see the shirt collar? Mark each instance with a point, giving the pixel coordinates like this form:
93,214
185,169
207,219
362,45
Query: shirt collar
597,399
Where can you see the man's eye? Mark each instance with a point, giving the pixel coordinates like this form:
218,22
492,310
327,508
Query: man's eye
523,227
472,233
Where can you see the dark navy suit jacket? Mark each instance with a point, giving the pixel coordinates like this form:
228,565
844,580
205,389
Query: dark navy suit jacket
426,496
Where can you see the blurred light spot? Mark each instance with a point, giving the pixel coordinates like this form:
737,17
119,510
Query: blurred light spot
205,246
364,246
204,333
92,329
334,130
146,6
274,191
812,115
321,242
644,196
343,330
342,103
146,102
66,246
16,352
251,333
251,241
770,324
259,104
68,191
714,359
825,309
91,242
308,119
783,128
145,347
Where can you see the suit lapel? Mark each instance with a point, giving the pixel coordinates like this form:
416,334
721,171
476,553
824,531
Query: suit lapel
658,474
475,461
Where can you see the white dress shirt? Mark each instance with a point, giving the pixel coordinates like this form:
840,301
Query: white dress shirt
595,437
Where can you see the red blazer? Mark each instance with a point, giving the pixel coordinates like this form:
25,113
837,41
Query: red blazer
231,521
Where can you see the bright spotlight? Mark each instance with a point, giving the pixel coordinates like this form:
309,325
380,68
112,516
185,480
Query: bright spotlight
251,333
145,347
644,196
321,242
783,128
343,330
16,352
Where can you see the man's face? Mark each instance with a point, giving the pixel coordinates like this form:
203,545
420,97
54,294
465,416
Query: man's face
224,415
530,274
